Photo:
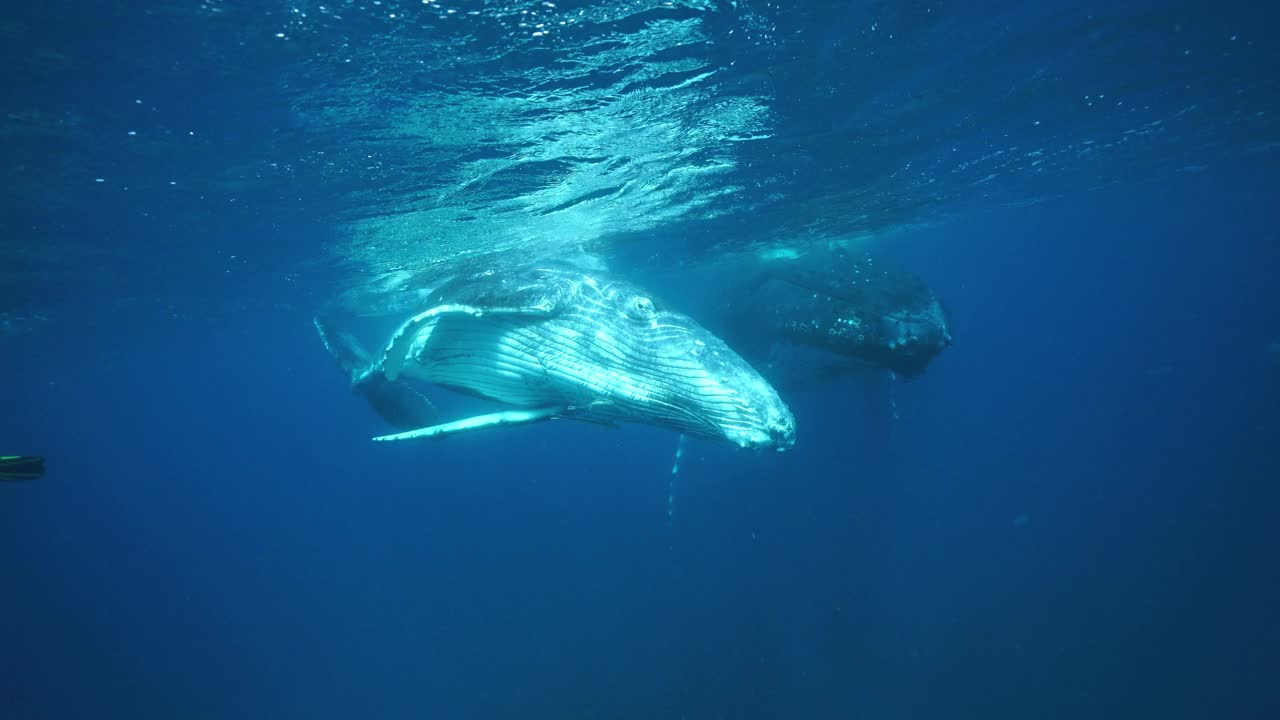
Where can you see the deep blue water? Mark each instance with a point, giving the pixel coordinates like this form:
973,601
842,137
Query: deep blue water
1071,514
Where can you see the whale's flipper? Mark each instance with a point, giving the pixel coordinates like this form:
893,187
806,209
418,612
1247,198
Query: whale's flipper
419,327
505,417
397,403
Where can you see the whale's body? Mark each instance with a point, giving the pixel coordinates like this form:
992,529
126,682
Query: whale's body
851,309
559,342
850,304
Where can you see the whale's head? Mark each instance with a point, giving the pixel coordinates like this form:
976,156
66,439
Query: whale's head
851,305
648,363
910,337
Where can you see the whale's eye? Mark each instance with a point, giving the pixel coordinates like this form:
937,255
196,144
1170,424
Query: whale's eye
642,307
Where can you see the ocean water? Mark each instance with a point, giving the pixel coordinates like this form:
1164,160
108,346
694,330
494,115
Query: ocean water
1070,514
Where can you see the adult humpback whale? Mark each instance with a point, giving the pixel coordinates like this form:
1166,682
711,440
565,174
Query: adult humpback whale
811,312
560,342
849,303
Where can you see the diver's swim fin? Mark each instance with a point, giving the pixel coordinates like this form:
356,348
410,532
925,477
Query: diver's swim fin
21,467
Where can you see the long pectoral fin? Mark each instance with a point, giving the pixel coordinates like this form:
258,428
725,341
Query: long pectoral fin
506,417
393,358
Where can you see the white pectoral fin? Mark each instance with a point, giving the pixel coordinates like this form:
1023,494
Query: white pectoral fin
421,325
506,417
397,350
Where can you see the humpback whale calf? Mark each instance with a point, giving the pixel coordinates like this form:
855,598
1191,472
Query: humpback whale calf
560,342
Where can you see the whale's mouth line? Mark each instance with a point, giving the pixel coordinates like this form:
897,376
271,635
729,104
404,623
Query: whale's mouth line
521,416
605,407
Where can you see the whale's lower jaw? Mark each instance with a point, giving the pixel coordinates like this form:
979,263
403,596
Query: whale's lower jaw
575,365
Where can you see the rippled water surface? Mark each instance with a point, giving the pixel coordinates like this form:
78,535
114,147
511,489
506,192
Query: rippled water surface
392,138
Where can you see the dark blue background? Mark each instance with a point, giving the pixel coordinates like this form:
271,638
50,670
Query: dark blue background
1072,517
